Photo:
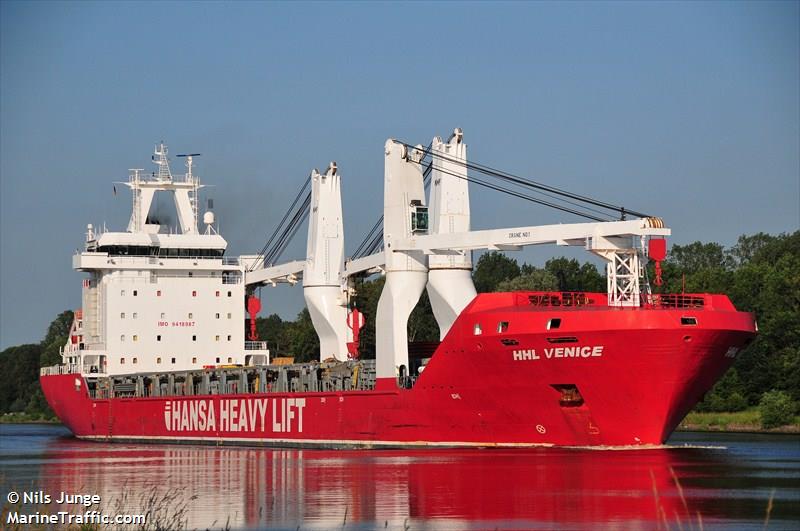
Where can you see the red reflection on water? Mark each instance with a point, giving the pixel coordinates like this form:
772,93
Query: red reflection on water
262,487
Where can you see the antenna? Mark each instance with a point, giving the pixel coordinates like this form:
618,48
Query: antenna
189,163
160,158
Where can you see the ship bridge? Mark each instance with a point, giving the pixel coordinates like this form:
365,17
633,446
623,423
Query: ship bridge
157,299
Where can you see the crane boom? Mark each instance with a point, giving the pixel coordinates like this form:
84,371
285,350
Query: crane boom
590,235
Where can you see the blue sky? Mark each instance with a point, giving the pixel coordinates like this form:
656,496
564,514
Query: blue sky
687,110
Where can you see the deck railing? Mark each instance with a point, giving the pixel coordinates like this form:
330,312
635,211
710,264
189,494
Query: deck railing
673,300
578,299
72,368
255,345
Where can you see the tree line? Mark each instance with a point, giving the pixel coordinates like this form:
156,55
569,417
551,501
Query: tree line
760,273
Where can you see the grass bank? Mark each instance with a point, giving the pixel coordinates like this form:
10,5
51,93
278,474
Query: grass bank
748,420
27,418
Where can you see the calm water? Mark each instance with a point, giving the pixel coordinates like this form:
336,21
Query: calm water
725,479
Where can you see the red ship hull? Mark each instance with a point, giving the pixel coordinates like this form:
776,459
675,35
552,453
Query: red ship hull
605,376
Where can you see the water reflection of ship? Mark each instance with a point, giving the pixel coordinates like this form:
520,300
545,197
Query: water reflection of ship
259,487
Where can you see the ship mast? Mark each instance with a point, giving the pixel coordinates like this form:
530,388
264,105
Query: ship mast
185,193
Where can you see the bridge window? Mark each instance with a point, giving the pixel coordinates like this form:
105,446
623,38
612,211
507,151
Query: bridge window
194,338
122,337
173,361
217,360
158,293
230,360
217,292
554,323
158,338
194,294
477,330
135,293
194,360
229,315
502,326
122,315
158,360
163,315
229,294
191,315
229,338
135,361
689,321
216,338
122,361
135,315
216,315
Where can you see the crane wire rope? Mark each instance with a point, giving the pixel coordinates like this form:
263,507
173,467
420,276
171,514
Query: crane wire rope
280,231
529,183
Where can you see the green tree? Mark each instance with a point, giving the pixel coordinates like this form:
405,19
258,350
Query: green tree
19,370
55,338
303,339
532,279
777,409
493,268
19,367
274,331
573,276
368,294
422,325
748,248
761,274
697,256
727,394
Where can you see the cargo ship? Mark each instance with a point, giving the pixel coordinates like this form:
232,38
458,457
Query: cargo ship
165,349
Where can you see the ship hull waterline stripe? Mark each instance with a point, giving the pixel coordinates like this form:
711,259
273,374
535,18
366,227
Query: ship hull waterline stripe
348,443
262,441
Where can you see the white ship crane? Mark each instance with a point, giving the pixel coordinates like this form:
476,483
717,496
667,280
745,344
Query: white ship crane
321,271
431,247
409,247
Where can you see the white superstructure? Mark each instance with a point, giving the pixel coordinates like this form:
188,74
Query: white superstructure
155,301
